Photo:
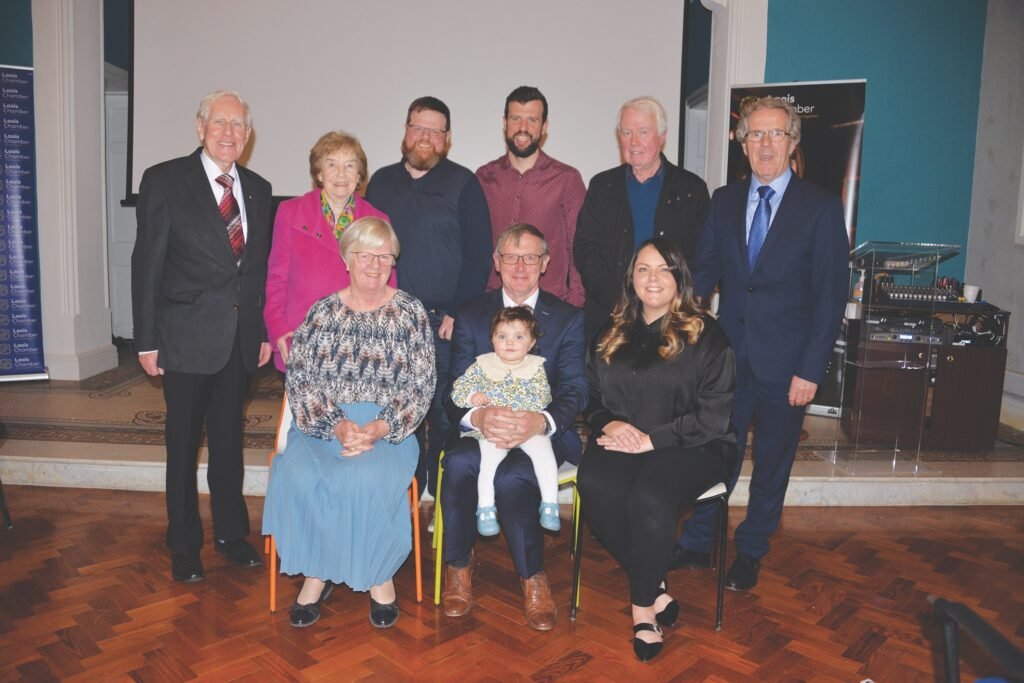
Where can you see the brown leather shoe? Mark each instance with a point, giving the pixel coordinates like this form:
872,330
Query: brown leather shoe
457,598
540,606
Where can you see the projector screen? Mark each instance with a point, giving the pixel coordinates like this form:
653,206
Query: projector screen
318,65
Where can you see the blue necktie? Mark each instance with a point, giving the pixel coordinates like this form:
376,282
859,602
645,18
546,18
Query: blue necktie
759,226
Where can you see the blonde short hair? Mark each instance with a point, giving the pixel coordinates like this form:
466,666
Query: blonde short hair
366,234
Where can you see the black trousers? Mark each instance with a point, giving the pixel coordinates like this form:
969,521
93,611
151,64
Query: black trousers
632,502
216,400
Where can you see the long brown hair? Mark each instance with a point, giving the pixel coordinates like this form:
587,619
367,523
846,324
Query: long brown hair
683,324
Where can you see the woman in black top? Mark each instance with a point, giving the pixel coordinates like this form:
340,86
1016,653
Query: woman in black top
661,381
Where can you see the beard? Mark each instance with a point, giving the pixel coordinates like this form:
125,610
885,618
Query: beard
525,152
422,160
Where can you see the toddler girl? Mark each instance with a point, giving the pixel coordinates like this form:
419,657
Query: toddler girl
510,377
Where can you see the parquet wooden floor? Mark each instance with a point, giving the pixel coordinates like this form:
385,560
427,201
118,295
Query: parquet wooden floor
85,594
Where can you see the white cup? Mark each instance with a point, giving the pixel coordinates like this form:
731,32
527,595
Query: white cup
971,293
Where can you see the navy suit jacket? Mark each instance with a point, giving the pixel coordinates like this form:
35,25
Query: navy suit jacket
562,344
784,316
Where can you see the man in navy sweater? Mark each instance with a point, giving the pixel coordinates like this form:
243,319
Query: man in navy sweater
440,215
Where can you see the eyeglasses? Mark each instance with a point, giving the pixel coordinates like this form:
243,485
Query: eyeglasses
418,131
775,134
528,259
364,258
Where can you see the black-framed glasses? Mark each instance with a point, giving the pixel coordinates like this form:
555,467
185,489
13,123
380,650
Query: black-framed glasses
364,258
528,259
775,134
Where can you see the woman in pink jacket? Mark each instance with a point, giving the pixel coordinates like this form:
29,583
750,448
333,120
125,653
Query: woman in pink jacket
305,264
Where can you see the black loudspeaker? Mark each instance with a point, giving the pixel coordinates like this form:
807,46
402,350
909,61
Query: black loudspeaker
828,400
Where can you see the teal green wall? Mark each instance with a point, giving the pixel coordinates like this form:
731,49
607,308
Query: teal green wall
922,61
16,32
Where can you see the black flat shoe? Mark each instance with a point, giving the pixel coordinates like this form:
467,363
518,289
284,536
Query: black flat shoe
302,616
668,616
239,553
684,558
743,573
187,568
383,616
645,651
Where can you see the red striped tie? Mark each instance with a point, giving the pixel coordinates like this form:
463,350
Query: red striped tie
232,216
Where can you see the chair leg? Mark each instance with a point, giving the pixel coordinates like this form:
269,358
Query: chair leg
577,555
438,536
272,564
414,504
3,508
721,541
575,523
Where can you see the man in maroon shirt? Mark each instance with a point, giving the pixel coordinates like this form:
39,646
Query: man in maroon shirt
525,185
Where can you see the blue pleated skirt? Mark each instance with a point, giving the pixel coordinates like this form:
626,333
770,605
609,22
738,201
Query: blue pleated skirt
341,519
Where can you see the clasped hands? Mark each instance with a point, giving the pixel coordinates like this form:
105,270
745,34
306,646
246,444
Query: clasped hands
625,438
355,439
507,428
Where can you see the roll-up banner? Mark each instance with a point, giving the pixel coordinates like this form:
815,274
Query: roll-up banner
21,320
831,129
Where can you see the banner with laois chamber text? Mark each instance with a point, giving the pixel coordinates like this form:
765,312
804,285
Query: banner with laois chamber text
21,320
832,127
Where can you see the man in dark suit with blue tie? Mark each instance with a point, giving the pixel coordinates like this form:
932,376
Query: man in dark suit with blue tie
199,272
521,255
777,247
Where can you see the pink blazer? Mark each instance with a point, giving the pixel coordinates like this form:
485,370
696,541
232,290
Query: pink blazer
305,264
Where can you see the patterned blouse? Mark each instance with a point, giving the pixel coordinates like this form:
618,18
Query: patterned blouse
523,386
384,356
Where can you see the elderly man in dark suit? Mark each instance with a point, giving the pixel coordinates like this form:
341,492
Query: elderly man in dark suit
777,247
199,271
520,258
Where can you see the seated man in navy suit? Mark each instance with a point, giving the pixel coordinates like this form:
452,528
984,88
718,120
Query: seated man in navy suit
520,257
777,247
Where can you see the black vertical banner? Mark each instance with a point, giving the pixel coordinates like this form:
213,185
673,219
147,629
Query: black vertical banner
21,320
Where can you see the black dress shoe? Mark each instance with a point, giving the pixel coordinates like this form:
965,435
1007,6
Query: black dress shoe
239,553
383,616
645,651
690,559
668,616
742,574
302,616
187,568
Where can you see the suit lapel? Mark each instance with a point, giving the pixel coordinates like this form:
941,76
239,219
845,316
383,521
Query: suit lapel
740,221
544,322
789,206
312,225
199,185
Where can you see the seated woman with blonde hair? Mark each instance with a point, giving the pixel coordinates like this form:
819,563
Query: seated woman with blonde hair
661,381
360,378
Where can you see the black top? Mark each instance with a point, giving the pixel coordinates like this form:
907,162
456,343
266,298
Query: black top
684,402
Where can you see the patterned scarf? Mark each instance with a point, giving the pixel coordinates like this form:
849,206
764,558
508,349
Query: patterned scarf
342,221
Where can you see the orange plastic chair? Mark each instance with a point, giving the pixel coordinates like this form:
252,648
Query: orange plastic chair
270,547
